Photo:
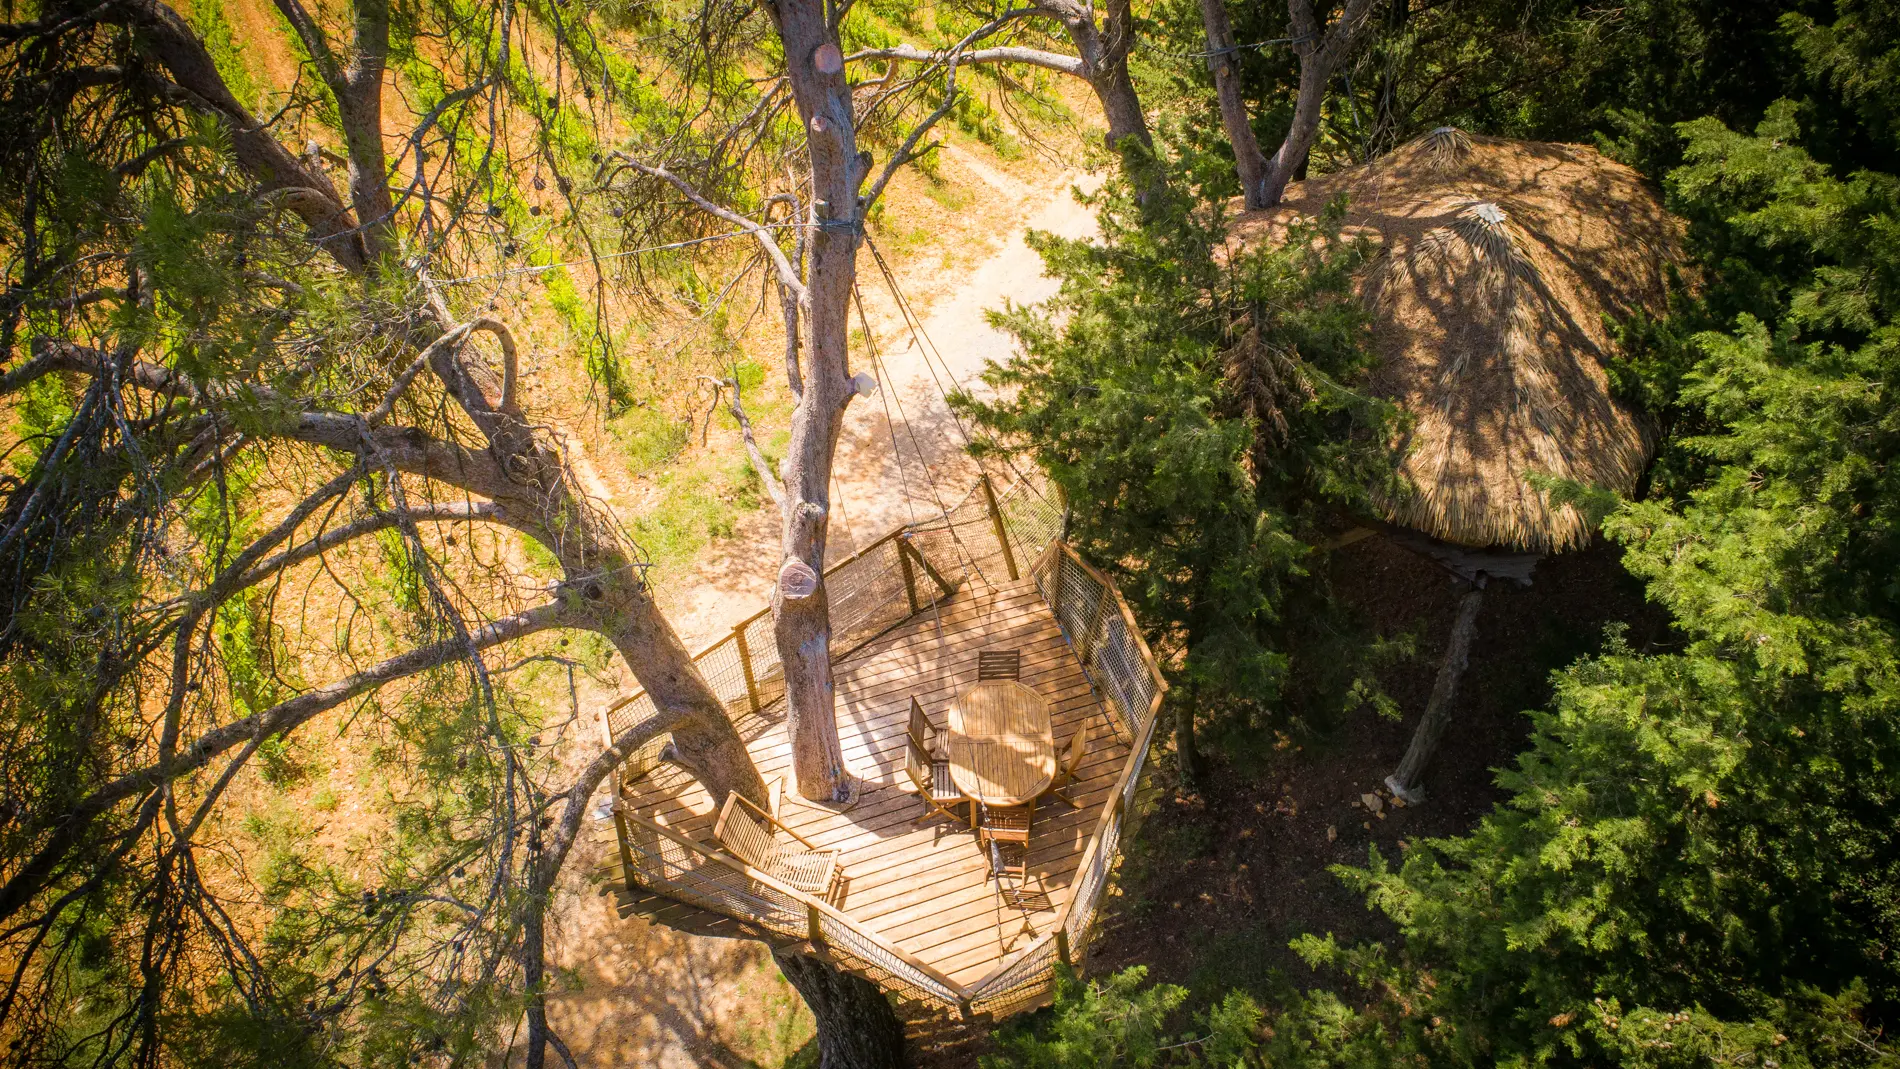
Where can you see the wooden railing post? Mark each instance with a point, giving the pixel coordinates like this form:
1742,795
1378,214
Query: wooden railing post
1002,530
910,575
1055,577
626,851
745,666
963,1008
814,930
1062,946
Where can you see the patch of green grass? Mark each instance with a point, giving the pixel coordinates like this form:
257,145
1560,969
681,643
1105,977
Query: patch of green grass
540,560
950,194
281,763
691,512
782,1034
648,437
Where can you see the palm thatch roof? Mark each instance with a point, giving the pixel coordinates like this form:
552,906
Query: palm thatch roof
1500,261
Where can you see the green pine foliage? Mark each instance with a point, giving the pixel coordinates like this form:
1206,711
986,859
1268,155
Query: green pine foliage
1195,401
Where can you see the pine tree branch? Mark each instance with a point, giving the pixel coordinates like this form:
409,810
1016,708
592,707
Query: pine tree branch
277,720
773,485
787,275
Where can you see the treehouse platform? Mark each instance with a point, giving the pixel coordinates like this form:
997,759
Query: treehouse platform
916,907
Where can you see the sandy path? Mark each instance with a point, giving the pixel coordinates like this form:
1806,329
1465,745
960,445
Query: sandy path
652,996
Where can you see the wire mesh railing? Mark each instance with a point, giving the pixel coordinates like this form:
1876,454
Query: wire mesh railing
987,537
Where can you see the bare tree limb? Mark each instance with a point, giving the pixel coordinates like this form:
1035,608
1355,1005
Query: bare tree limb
787,275
451,512
1034,57
766,475
258,151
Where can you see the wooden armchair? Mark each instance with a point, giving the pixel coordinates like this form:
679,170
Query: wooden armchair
750,833
930,774
999,664
1068,765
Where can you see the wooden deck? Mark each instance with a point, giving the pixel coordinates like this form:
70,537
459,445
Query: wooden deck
923,887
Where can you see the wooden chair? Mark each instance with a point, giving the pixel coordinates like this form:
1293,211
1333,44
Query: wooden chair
750,833
922,734
1068,765
930,773
1007,826
931,780
999,664
1009,859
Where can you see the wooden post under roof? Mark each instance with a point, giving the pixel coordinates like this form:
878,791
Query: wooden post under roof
1002,529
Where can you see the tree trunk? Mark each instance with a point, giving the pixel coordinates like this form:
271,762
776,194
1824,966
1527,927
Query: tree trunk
1299,138
856,1026
1320,55
534,484
1187,753
802,625
708,744
1249,161
1121,106
1431,727
1103,52
359,100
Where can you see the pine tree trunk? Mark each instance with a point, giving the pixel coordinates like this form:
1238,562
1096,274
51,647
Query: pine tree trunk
802,625
1121,106
1431,727
1187,753
856,1026
1249,161
1103,51
1320,55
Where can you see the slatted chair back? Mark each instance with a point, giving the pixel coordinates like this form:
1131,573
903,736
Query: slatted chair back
748,839
999,664
922,735
931,780
1009,859
1008,823
1072,757
917,766
1069,767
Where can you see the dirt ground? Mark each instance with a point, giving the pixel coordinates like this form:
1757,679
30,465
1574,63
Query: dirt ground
1214,886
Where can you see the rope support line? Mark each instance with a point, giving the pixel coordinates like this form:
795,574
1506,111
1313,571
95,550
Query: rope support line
536,269
1230,49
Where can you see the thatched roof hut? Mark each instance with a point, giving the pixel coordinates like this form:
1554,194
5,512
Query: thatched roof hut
1500,261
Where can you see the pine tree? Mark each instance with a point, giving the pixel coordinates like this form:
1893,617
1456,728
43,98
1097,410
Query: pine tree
1193,399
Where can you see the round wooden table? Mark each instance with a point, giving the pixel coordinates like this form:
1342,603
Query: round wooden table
1002,744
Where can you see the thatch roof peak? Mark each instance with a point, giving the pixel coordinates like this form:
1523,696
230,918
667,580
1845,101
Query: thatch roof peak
1500,261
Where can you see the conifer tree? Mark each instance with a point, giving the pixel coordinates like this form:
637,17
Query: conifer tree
1194,400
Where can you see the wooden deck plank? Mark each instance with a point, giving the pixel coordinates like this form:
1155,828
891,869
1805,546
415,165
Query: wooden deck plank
876,761
923,887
